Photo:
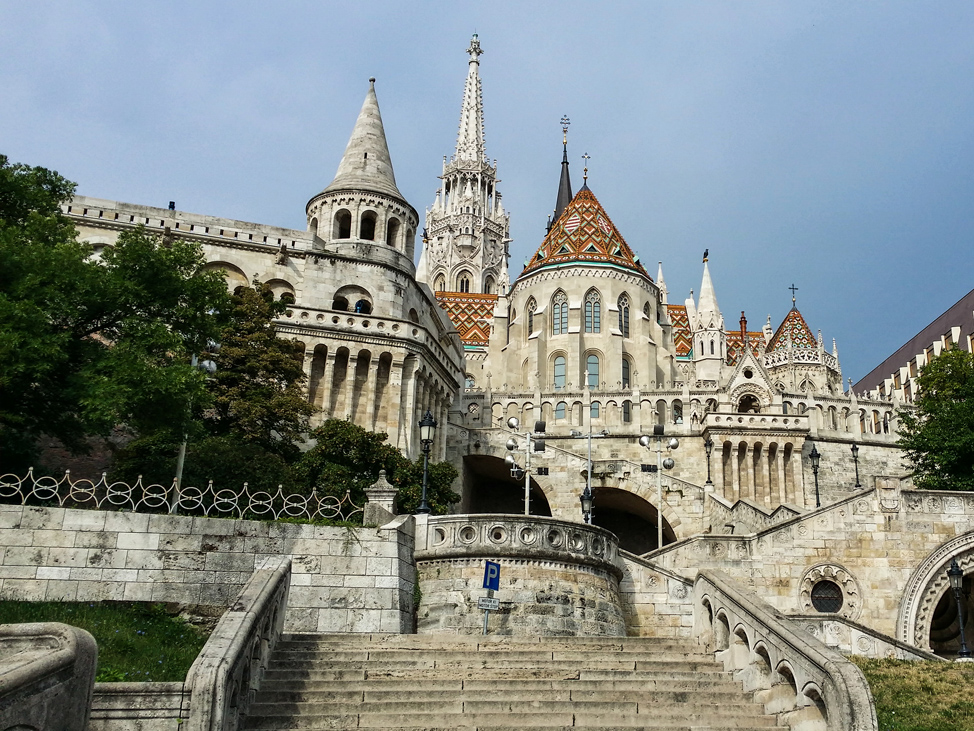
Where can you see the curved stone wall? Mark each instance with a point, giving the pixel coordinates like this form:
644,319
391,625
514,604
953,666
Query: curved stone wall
557,578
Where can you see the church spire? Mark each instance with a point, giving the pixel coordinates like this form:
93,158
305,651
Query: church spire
366,164
470,139
708,313
565,182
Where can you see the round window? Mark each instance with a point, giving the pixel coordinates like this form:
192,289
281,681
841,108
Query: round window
827,596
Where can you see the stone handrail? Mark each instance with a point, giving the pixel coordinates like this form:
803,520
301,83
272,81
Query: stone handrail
47,675
229,668
798,678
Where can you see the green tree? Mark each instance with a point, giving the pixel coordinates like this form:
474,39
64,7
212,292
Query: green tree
938,436
88,343
347,457
256,393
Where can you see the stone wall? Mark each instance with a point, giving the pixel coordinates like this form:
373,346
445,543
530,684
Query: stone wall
344,579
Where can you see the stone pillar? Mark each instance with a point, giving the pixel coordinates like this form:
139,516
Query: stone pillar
752,485
735,459
780,465
369,391
407,407
393,397
381,505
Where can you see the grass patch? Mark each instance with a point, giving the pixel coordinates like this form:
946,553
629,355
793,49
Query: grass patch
921,695
137,642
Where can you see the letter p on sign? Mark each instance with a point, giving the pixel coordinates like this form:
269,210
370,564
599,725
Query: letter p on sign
492,576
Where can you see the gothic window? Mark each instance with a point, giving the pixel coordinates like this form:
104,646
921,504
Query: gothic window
392,231
559,313
560,409
343,225
593,312
677,412
647,310
313,226
624,315
463,282
559,372
440,285
626,373
626,412
595,410
367,226
592,365
532,306
489,285
711,347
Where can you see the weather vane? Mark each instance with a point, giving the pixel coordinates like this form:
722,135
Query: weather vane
586,157
565,121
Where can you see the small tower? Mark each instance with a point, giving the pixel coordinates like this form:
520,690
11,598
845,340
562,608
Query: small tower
465,247
362,213
707,324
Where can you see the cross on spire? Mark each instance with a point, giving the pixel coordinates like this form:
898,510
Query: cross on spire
793,289
586,157
565,121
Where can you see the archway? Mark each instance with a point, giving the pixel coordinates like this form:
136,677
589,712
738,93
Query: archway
749,404
631,518
492,489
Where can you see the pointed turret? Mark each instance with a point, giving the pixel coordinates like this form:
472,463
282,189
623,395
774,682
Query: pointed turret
366,164
661,283
708,313
470,140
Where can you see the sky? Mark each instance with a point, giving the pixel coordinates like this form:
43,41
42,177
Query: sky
823,144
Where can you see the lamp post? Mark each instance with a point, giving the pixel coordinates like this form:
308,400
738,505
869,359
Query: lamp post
956,577
536,441
587,498
209,367
427,429
661,464
708,447
855,458
816,458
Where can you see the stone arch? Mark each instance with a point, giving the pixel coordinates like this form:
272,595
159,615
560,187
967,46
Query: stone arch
392,232
234,275
367,225
352,298
632,515
342,225
313,225
492,488
926,586
280,288
463,281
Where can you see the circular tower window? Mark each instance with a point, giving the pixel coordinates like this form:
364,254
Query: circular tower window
827,596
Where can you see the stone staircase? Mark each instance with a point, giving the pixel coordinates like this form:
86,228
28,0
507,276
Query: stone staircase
444,682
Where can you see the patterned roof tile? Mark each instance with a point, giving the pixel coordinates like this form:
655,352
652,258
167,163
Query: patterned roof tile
471,314
796,329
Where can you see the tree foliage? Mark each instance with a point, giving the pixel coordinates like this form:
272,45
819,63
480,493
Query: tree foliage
347,457
938,436
256,393
88,343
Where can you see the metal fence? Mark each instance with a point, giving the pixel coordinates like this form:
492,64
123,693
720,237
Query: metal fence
177,500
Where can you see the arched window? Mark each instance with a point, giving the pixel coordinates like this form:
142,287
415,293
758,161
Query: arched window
469,382
313,226
367,226
626,412
560,409
559,313
559,372
440,285
532,306
624,315
595,410
592,365
363,307
647,311
711,347
593,312
392,231
463,282
343,225
677,412
340,303
626,373
489,285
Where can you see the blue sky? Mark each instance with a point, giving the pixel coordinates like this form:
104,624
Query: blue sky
825,144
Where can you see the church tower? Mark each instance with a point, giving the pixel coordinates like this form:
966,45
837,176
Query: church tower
466,238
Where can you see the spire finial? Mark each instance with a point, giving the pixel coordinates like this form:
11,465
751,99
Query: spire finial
586,157
474,49
793,289
565,121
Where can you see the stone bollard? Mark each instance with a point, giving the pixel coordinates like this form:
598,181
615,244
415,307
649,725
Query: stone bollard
381,505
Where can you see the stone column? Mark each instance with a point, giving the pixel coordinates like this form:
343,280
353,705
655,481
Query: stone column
752,485
393,396
369,391
407,407
735,459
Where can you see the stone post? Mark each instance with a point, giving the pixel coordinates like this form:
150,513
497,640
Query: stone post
381,505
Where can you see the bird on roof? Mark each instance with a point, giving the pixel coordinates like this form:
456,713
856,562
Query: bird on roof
706,252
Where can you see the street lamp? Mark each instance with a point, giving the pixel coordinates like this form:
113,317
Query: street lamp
816,458
708,447
427,429
956,577
587,498
209,367
661,464
533,442
855,458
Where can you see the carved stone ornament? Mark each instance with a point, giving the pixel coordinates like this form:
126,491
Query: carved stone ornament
851,595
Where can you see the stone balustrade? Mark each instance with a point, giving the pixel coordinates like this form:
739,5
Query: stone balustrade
808,685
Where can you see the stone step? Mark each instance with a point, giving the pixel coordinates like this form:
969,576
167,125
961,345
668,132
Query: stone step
499,644
516,673
692,683
487,654
451,662
564,719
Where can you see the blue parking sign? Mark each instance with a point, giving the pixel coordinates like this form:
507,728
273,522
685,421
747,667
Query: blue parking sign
492,576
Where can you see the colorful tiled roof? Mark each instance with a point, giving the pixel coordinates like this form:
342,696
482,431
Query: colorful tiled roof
584,234
736,347
682,339
793,328
471,314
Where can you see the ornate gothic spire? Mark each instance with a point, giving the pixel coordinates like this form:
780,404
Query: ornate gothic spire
565,182
366,164
470,139
708,313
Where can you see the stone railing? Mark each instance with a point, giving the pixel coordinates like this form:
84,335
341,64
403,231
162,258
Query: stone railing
519,537
208,501
47,673
745,514
775,422
803,682
227,673
852,638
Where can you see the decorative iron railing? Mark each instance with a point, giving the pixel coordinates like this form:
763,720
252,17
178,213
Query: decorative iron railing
185,500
